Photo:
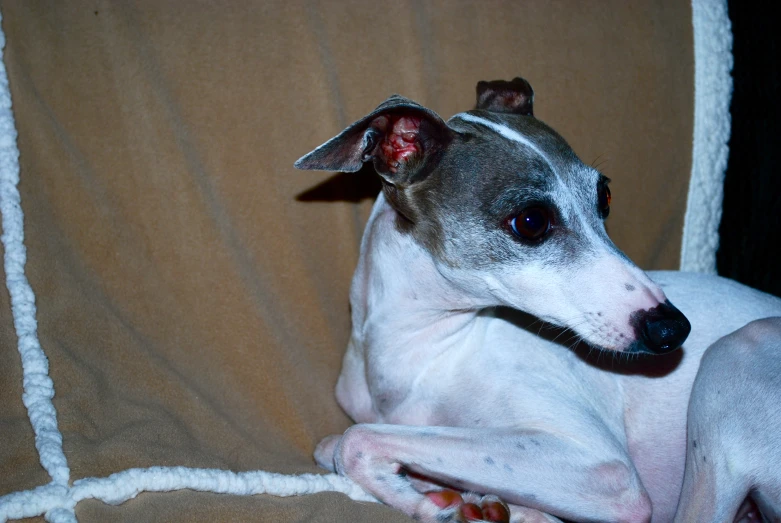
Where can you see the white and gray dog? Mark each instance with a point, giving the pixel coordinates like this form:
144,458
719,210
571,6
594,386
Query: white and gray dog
467,411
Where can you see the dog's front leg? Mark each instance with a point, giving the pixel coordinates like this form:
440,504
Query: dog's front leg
573,477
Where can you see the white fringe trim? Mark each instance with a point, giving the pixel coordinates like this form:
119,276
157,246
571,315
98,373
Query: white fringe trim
57,500
712,94
38,387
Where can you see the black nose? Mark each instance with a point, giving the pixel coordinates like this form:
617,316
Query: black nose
660,330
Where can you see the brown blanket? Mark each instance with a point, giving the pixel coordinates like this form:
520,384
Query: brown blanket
192,287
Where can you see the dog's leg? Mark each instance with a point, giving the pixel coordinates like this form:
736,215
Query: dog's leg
324,456
734,432
573,475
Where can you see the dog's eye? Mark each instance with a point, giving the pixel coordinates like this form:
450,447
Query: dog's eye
603,200
531,224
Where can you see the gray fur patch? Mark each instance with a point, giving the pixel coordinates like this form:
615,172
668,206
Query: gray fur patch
460,210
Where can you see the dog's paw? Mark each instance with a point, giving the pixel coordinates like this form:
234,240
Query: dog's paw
449,505
324,452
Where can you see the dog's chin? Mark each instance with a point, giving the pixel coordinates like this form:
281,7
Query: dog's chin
638,347
635,359
634,347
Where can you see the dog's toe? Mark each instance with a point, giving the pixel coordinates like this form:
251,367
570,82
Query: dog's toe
494,509
472,512
468,507
324,452
445,498
440,506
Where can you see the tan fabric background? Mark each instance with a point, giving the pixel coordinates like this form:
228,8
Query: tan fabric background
194,311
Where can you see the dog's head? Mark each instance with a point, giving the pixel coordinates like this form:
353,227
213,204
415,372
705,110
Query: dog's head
510,215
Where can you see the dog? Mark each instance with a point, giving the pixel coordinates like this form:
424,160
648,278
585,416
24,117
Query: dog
468,410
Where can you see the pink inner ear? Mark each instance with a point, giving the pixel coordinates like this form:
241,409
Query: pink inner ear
401,139
510,99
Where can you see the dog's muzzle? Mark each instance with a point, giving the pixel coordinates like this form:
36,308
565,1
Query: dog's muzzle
659,330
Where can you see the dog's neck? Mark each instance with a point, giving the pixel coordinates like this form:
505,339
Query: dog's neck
398,295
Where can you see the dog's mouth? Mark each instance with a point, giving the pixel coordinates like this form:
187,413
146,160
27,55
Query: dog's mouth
653,332
658,330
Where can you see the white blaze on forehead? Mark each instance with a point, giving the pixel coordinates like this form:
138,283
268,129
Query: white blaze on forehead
508,133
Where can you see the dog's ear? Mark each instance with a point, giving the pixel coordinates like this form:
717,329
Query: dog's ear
401,137
500,96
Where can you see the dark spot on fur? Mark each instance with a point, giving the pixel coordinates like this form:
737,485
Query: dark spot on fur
359,455
599,314
520,446
488,460
704,459
694,443
629,287
508,468
380,478
440,460
535,442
